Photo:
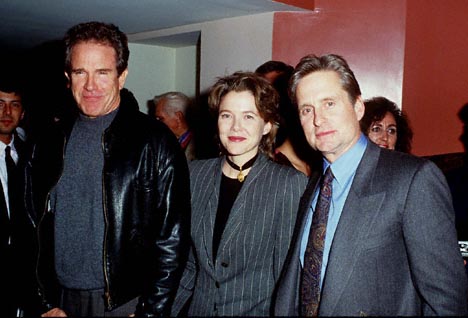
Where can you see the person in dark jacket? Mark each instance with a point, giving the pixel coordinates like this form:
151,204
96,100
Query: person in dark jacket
111,190
375,234
17,240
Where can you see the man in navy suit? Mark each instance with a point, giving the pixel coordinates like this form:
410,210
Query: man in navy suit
390,245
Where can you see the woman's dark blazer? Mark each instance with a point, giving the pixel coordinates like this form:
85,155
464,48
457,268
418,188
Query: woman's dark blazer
254,243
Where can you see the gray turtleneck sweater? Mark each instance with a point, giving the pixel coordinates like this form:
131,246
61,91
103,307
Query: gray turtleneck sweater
78,205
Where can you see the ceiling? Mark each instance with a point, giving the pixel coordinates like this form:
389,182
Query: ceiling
28,23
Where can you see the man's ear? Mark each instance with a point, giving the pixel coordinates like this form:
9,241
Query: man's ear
179,115
359,108
122,78
181,118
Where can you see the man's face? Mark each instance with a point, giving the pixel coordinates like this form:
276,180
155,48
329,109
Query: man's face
94,81
330,121
171,121
11,113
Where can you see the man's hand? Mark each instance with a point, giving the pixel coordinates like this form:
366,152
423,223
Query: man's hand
55,312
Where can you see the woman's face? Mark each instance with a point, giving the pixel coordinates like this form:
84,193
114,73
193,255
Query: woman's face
240,125
384,132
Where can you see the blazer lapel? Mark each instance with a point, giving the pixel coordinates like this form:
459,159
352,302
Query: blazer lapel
208,214
360,209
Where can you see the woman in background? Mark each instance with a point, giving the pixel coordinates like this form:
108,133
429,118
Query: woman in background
243,206
386,125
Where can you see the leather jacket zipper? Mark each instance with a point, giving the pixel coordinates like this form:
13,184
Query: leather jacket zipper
107,296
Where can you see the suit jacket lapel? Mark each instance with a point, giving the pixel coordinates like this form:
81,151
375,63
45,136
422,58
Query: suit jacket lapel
306,199
20,147
360,209
287,300
208,212
304,206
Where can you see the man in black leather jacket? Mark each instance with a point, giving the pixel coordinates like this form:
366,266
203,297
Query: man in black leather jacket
111,193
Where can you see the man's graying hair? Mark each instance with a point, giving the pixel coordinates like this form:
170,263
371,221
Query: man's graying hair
175,102
330,62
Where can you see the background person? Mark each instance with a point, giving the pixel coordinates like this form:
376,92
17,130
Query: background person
172,108
376,236
17,234
291,147
386,125
244,206
270,70
112,191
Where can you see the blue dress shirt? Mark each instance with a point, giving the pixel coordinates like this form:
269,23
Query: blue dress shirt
344,169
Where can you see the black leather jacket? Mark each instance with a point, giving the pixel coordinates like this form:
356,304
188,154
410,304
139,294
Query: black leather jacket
146,196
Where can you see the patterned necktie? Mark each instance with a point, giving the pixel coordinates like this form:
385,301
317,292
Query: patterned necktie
310,284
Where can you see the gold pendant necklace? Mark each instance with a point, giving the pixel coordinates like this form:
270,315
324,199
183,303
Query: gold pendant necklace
247,165
240,176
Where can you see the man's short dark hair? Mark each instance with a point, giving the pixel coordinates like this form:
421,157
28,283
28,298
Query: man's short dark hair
99,32
10,84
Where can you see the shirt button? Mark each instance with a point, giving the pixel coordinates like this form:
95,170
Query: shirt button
224,264
217,284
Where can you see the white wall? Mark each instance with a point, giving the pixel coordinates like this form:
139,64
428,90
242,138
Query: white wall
154,70
235,44
227,45
150,72
185,70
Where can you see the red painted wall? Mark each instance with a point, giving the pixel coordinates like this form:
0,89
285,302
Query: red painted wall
413,52
369,34
435,84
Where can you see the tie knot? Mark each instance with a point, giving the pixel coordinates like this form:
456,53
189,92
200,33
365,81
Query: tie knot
8,150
